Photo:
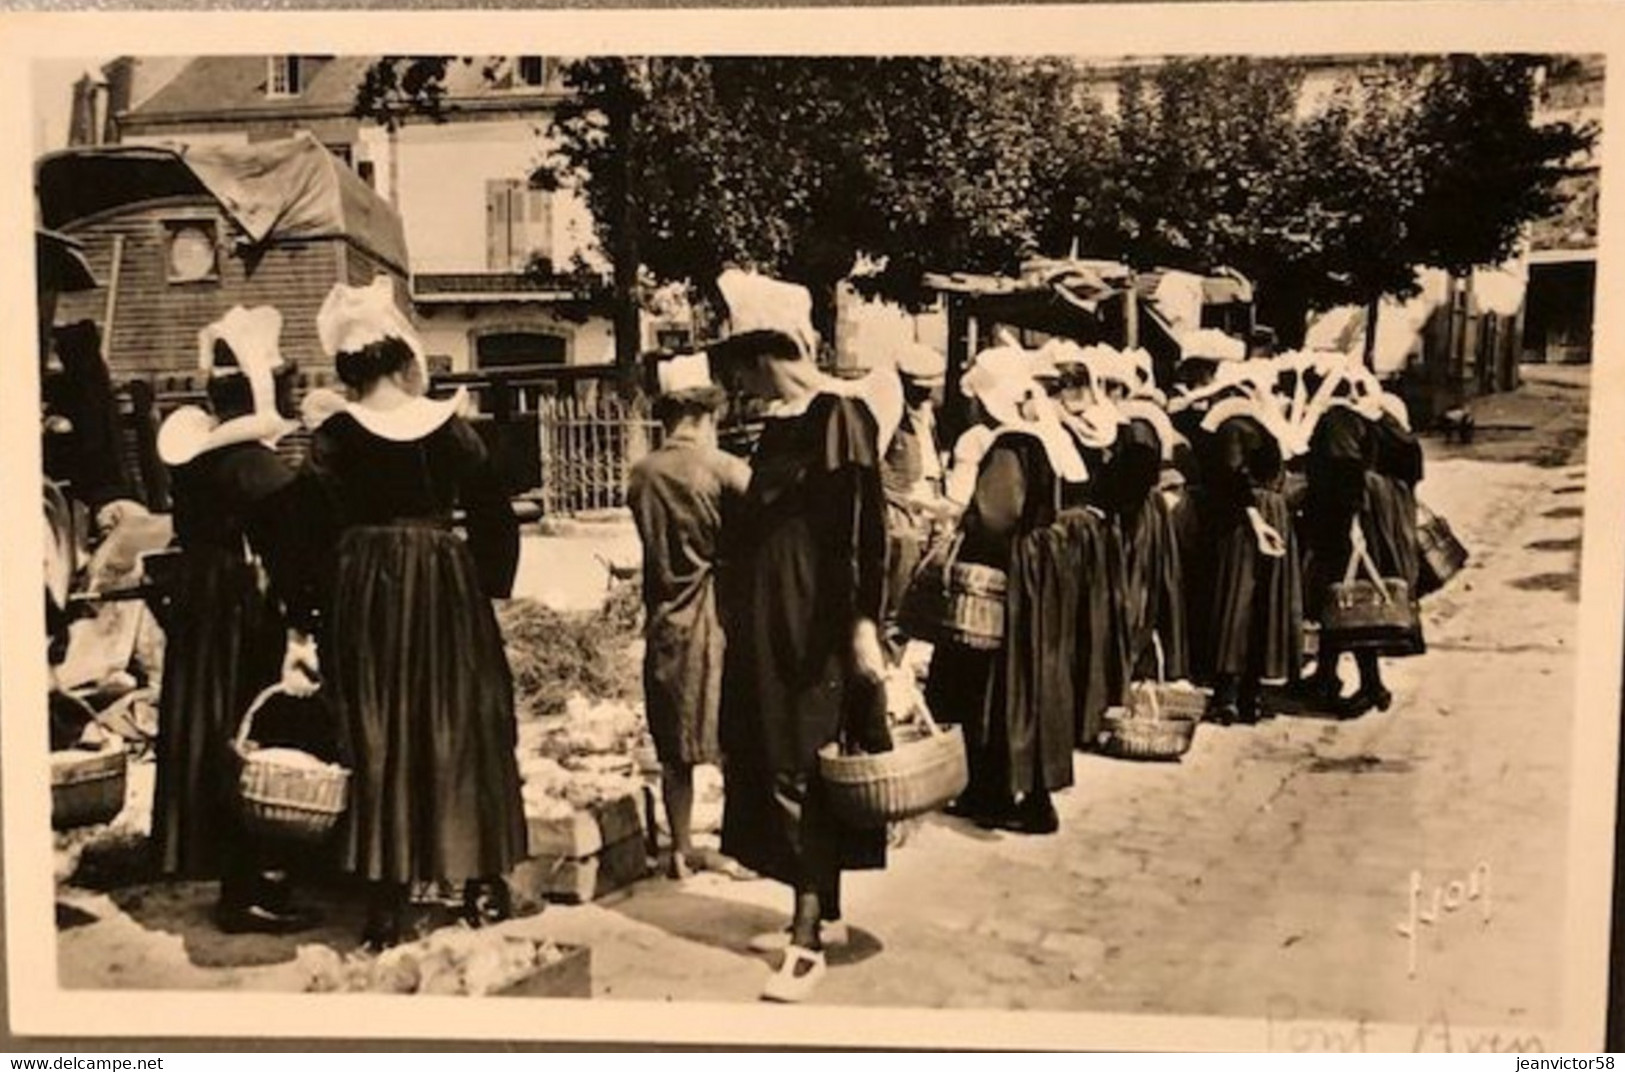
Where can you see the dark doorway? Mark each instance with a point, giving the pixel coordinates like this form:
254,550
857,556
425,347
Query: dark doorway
1558,312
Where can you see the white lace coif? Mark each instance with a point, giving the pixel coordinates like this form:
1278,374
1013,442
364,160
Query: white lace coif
353,318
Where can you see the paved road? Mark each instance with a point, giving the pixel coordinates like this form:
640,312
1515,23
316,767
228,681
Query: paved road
1266,874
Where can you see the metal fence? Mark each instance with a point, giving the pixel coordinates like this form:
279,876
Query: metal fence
588,451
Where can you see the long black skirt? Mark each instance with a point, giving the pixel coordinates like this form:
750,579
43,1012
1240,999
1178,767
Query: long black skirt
775,816
1197,565
415,668
1257,615
225,645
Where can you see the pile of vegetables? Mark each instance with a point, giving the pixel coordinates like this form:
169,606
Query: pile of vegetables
583,757
452,961
556,656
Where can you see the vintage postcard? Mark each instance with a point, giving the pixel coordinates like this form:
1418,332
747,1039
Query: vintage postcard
1062,527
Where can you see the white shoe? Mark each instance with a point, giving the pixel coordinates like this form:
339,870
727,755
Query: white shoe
798,976
832,935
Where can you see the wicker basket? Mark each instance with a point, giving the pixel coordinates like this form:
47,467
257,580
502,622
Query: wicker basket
298,803
959,602
1373,614
1160,720
918,775
1132,737
1161,700
89,788
975,612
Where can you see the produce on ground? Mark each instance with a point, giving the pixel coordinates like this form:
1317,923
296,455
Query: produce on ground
582,757
453,961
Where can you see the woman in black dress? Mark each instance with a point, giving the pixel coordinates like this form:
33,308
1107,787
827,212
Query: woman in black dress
1256,620
1153,576
804,666
1015,704
411,652
227,636
1363,468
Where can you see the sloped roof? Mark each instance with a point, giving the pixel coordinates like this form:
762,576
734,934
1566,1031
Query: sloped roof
236,86
284,190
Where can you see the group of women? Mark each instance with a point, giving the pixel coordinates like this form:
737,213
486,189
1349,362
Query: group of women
348,572
1141,534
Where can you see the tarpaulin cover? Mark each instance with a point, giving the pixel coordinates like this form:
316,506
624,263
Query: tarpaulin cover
60,263
285,190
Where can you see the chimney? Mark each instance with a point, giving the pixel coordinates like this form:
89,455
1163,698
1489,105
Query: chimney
82,125
119,80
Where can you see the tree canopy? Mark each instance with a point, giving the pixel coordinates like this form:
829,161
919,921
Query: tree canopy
808,168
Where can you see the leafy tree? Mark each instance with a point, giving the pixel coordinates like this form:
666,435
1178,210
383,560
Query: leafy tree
806,168
801,167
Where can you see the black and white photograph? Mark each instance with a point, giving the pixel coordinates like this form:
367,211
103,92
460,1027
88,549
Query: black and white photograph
1014,542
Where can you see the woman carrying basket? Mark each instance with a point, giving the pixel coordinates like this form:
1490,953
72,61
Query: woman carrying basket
1363,468
228,639
1019,739
410,648
804,593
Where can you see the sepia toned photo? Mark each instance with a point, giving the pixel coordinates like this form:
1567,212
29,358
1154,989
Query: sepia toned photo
1060,545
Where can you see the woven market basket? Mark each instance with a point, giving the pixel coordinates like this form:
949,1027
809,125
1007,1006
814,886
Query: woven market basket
956,601
1374,614
279,800
919,775
88,788
976,606
1161,699
1129,736
1160,720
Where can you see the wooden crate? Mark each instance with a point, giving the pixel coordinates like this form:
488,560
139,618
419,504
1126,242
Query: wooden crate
594,852
588,830
570,977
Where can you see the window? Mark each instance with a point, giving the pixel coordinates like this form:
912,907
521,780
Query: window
191,251
283,80
364,168
343,153
518,225
531,71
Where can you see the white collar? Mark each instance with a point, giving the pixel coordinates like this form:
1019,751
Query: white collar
410,421
882,395
191,432
1059,448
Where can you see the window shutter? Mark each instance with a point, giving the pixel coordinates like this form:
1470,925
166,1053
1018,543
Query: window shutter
539,220
498,248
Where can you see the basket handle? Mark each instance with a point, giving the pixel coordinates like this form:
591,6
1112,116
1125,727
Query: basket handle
246,727
922,715
1361,556
955,542
1162,660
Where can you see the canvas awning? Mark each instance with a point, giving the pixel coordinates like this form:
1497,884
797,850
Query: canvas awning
1056,297
60,263
287,190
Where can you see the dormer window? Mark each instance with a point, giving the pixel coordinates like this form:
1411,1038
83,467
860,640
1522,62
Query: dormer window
283,79
531,71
